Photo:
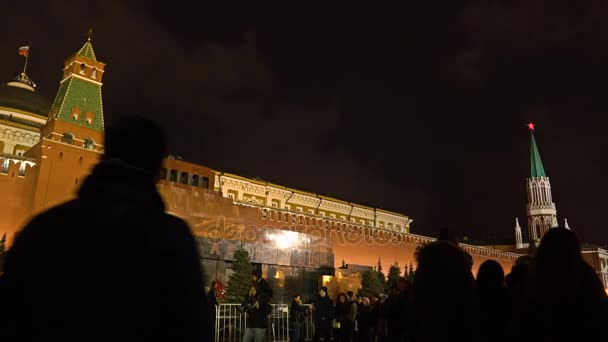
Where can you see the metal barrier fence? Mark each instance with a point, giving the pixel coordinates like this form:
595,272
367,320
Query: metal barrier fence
231,322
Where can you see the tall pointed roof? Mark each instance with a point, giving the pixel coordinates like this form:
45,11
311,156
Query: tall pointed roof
536,165
87,50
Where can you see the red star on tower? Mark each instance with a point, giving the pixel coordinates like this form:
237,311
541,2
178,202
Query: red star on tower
531,127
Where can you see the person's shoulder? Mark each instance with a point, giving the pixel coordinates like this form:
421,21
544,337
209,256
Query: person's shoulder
52,216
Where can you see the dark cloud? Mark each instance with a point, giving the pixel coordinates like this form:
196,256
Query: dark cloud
420,110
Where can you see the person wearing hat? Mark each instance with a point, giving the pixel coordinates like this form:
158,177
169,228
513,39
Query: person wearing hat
323,314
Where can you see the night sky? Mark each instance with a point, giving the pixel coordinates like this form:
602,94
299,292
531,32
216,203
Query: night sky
419,109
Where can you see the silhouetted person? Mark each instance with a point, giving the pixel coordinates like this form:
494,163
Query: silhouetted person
297,313
343,312
568,299
374,318
495,303
110,264
364,321
398,311
445,304
323,314
518,285
352,315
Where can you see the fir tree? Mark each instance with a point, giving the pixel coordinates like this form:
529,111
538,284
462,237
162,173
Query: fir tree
370,284
239,281
380,275
394,272
3,243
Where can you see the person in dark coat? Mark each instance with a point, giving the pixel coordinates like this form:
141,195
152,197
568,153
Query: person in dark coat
496,325
110,264
567,299
323,313
364,321
342,315
298,313
257,309
444,295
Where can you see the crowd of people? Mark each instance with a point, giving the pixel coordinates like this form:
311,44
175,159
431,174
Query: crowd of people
551,295
113,265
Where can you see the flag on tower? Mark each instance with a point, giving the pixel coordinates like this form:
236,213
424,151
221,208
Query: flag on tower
24,51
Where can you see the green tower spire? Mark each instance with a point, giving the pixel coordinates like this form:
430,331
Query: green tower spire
536,165
78,99
87,50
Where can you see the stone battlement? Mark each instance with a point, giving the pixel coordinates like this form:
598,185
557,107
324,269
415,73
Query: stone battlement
15,166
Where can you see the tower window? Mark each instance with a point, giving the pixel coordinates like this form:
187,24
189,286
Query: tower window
75,113
83,69
89,144
89,117
94,73
5,165
67,138
205,183
173,176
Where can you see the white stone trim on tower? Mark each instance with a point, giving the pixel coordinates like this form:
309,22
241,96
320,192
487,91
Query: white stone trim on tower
542,214
518,237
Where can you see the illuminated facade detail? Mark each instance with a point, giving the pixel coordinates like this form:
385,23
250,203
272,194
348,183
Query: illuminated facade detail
22,114
255,192
518,237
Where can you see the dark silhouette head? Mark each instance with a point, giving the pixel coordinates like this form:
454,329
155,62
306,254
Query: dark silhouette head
137,141
490,274
350,294
342,298
559,245
443,292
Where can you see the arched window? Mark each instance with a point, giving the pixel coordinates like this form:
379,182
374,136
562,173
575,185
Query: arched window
5,165
67,138
22,169
89,117
89,144
83,69
60,155
94,73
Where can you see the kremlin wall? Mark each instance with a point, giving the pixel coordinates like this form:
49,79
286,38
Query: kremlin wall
298,238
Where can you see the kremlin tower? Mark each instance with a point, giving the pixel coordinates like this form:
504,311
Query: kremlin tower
47,150
541,211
